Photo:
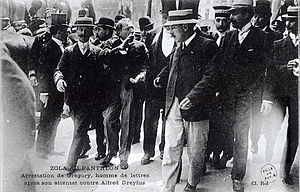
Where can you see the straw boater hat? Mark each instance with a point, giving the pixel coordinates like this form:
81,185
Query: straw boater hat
238,4
178,17
292,12
84,22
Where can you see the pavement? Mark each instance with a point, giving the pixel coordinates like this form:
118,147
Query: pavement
261,175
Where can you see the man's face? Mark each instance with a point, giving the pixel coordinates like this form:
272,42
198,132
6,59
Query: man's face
292,26
222,24
126,31
101,33
260,20
177,32
238,18
84,33
63,34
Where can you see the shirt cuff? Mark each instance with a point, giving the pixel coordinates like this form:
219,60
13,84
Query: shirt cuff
44,94
267,101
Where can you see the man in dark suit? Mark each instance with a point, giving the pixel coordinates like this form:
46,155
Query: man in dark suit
80,74
126,62
190,86
282,75
243,53
160,45
261,19
50,97
220,136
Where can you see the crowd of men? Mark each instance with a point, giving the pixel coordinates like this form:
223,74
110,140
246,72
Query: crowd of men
212,88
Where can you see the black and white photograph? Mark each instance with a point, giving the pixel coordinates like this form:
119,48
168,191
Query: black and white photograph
149,95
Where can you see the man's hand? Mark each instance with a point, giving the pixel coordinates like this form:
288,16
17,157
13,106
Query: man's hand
266,107
44,99
185,104
156,82
138,78
104,52
66,111
293,64
127,42
61,84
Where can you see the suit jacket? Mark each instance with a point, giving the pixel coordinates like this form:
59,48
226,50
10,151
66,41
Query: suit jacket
45,68
281,82
157,61
194,78
244,64
128,65
84,75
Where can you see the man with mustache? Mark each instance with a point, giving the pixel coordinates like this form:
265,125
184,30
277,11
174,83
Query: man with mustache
80,74
244,56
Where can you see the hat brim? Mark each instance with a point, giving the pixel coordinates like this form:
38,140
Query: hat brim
102,25
84,25
64,25
179,22
238,7
289,16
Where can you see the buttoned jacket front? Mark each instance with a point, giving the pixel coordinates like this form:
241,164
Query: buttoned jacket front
84,75
193,77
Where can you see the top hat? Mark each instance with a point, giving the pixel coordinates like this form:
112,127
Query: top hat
59,19
167,5
190,4
292,12
119,17
84,22
238,4
145,23
263,7
221,11
177,17
106,22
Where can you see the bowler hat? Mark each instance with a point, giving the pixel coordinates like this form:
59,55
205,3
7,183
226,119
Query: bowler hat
84,22
106,22
145,23
59,19
178,17
221,11
238,4
292,12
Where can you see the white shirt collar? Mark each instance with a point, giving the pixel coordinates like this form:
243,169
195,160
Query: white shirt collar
59,43
83,47
246,28
188,41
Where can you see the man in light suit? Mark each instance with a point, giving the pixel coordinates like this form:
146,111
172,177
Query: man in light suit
190,86
244,59
282,78
80,74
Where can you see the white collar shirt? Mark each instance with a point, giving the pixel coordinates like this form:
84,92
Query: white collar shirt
59,43
242,33
83,47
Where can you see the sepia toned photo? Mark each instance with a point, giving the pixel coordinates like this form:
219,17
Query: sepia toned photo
149,95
